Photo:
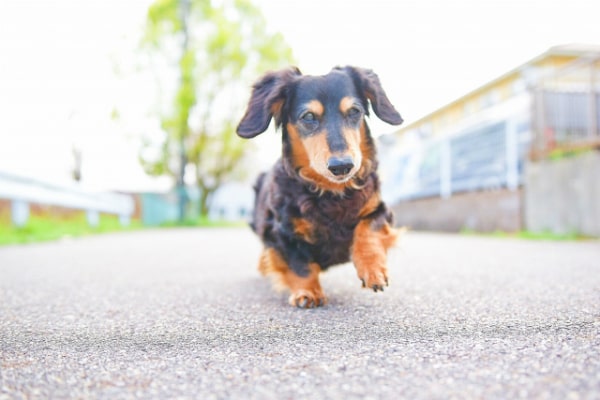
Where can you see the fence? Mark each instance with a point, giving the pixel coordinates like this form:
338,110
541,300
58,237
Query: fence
562,190
488,156
566,109
21,192
505,146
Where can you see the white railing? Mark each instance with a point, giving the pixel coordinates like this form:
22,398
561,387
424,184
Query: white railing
22,191
486,152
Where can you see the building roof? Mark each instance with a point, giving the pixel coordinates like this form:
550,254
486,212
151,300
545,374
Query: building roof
568,50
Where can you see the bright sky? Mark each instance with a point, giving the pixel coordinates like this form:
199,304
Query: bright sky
58,84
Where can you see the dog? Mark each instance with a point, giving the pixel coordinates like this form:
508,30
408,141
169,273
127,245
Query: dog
320,204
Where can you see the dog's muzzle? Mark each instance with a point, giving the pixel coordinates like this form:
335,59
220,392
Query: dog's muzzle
340,166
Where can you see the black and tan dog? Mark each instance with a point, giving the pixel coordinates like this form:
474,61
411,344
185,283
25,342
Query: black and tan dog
320,204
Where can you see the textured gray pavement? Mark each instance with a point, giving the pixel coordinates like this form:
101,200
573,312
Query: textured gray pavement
183,313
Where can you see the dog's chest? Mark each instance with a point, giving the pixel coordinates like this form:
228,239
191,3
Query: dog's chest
333,221
334,217
338,211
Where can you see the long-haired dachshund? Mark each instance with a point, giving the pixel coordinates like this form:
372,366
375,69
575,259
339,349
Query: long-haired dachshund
320,204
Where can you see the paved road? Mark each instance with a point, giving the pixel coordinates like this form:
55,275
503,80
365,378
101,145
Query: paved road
183,314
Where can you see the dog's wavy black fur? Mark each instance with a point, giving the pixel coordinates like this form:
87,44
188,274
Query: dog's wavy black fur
282,197
305,216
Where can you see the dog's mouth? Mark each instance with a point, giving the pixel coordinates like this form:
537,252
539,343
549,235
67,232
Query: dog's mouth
341,169
340,179
338,169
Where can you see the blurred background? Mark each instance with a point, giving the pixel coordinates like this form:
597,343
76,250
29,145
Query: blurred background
122,114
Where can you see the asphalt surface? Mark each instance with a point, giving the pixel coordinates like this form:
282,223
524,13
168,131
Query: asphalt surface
183,313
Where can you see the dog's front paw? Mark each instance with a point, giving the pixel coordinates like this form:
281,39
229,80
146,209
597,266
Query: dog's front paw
304,298
374,278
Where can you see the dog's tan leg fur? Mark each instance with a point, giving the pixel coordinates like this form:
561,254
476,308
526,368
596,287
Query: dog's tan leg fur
369,253
306,292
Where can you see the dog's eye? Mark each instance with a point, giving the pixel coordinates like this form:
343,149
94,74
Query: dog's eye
308,117
353,115
353,112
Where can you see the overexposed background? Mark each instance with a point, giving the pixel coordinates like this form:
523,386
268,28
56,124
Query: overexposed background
69,73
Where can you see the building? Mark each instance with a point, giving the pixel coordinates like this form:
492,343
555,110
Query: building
463,166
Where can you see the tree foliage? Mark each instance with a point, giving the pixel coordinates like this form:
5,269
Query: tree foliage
209,52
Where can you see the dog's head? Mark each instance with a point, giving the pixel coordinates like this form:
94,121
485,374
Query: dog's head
325,137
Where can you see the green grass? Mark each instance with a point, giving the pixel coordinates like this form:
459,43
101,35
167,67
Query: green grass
550,236
562,153
205,222
527,235
46,228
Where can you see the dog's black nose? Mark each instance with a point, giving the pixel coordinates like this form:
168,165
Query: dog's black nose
340,165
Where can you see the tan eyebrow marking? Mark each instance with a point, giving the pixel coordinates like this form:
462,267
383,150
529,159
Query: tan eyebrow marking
347,103
315,106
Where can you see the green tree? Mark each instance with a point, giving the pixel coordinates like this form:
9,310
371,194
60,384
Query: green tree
215,49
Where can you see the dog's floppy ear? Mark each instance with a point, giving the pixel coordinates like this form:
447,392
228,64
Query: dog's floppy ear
266,101
368,82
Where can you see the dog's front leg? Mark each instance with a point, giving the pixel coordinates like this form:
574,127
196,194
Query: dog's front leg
372,238
305,289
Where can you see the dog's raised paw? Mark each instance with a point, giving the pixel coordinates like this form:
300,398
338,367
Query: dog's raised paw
375,280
